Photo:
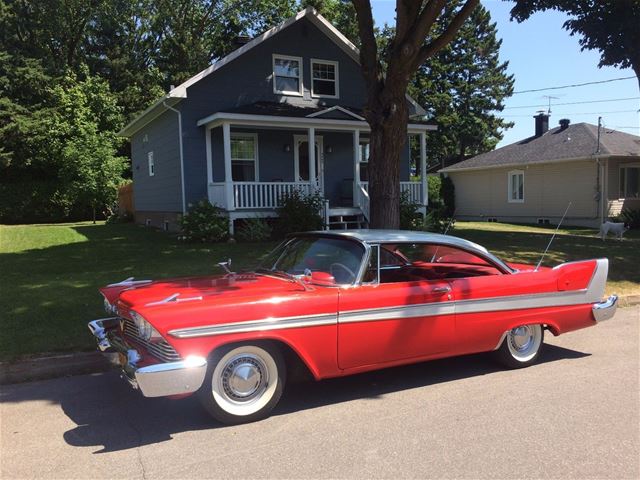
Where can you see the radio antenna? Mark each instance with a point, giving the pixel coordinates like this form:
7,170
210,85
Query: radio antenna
451,220
552,237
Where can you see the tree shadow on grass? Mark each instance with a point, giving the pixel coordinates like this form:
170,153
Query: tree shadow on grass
110,415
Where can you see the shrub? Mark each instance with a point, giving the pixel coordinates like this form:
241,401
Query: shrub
299,213
409,214
632,217
437,220
254,230
434,184
125,217
204,223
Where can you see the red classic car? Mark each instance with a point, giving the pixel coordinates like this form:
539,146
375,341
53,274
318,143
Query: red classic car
339,303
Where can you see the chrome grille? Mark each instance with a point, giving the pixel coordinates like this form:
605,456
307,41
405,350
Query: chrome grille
160,349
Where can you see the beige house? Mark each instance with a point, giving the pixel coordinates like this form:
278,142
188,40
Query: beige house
533,180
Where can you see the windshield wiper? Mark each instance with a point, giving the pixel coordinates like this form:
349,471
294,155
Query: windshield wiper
282,273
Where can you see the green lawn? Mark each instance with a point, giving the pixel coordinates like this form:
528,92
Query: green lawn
50,273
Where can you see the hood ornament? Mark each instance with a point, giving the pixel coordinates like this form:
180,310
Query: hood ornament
225,266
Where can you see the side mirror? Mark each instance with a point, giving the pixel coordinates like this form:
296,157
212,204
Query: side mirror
322,278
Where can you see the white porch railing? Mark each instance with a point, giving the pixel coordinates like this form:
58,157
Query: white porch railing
254,195
363,201
414,189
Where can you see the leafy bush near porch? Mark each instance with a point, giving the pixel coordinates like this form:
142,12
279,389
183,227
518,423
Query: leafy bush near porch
632,217
254,230
299,213
204,223
410,217
448,195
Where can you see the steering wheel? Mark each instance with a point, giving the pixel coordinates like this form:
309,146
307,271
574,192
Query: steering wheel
344,268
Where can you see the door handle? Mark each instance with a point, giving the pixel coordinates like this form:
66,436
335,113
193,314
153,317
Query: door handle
445,289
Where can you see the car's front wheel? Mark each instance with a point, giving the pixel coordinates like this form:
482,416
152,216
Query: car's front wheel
244,382
521,346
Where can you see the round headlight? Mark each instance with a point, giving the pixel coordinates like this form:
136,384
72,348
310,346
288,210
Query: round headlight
145,330
107,306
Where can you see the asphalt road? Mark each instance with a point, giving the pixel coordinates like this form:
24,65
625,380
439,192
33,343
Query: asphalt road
575,415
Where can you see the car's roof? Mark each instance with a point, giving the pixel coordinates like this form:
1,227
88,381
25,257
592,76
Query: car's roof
402,236
410,236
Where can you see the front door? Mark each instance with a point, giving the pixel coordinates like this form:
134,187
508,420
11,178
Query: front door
301,154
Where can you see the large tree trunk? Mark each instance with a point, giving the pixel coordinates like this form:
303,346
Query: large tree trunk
387,117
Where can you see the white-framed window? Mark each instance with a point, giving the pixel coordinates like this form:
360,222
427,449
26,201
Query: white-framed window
630,181
324,78
363,158
244,157
151,164
287,75
516,186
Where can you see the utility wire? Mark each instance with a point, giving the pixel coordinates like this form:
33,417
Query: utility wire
577,113
575,103
573,85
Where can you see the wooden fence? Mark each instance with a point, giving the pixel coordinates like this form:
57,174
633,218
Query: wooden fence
125,199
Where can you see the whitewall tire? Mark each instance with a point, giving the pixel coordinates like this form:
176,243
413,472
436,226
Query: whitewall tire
243,383
521,346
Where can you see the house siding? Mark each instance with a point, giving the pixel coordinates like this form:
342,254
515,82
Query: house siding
161,192
248,79
616,204
548,189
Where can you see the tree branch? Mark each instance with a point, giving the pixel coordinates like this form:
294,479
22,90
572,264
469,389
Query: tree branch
449,34
369,47
425,20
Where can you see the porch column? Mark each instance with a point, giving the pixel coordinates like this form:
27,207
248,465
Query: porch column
356,168
423,171
207,132
311,138
228,179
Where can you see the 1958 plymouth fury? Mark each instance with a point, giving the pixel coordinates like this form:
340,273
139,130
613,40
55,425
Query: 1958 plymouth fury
339,303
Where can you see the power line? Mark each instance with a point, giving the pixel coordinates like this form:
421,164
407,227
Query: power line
573,85
576,114
574,103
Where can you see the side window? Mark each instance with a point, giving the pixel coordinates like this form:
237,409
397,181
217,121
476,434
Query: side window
429,261
151,164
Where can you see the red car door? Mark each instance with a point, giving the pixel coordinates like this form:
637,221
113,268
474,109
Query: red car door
392,322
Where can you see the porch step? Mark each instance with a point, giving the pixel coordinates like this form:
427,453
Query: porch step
346,218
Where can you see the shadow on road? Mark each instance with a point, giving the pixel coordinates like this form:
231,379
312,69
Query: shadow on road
109,414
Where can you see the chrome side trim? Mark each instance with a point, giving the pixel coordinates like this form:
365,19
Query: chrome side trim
256,325
605,310
392,313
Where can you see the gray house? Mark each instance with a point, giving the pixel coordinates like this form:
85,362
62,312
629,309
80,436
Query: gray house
283,112
533,180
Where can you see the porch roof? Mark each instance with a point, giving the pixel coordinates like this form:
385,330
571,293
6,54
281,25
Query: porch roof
296,116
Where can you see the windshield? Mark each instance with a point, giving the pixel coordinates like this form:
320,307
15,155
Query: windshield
337,257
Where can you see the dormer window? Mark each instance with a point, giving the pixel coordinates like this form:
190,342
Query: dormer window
324,78
287,75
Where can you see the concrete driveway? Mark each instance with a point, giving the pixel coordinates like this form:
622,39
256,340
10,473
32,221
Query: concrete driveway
575,415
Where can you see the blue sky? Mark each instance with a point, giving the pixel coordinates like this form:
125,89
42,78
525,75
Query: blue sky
542,54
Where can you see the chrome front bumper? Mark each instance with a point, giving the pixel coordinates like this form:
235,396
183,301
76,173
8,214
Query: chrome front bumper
605,310
158,380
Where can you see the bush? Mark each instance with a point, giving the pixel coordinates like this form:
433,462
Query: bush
437,220
409,214
254,230
434,184
204,223
125,217
299,213
632,217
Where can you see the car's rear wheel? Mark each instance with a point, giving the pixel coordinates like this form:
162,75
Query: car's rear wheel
244,382
521,346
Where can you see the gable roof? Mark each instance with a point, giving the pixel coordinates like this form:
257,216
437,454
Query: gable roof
178,93
576,142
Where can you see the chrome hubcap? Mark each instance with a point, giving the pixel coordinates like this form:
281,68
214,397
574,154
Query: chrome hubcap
521,338
244,378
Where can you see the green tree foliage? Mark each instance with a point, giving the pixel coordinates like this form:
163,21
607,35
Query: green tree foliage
610,26
340,13
71,168
463,87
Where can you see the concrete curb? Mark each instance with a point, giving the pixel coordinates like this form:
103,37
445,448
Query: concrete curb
54,366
